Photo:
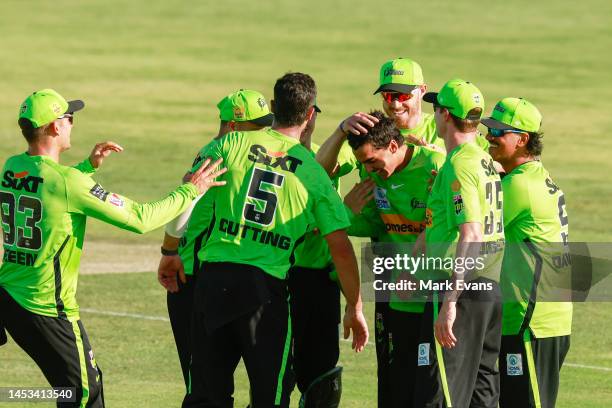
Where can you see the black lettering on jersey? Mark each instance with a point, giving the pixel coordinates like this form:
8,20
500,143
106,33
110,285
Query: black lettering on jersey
21,181
416,203
552,186
98,192
259,154
255,234
19,258
488,167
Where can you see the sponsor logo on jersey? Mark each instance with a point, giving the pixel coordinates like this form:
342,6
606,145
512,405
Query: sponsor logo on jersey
398,224
282,160
416,203
98,192
423,354
115,200
552,186
458,201
514,364
396,186
380,198
488,167
21,181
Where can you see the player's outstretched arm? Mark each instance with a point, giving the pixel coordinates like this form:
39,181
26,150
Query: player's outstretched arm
346,265
87,197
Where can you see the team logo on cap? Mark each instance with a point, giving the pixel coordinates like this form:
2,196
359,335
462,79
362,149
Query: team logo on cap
56,108
391,71
238,112
261,103
23,108
476,98
499,108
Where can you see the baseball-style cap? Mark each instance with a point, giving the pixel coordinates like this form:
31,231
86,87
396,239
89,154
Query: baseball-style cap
45,106
248,106
514,114
400,75
226,111
459,97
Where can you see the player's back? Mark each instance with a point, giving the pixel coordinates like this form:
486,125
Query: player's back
38,232
274,190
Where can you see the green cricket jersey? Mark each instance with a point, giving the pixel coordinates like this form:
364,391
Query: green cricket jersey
397,213
534,217
314,252
44,207
467,189
275,193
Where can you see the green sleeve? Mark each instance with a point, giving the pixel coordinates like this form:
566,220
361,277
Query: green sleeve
346,160
328,208
462,195
367,223
85,167
516,199
85,196
212,151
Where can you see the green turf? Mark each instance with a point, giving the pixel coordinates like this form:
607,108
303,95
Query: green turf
152,71
141,368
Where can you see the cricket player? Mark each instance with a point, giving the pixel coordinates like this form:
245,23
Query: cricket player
276,192
242,110
401,174
459,367
536,334
401,86
44,208
315,306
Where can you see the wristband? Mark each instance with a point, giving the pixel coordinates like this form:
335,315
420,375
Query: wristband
340,127
169,252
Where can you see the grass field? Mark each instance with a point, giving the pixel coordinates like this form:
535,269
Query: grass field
152,71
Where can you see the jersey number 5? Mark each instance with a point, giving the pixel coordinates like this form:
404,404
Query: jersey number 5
260,204
31,207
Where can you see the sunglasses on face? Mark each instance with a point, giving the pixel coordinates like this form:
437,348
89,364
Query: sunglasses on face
400,97
501,132
69,117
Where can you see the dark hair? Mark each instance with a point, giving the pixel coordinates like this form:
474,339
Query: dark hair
294,93
467,125
534,144
28,130
378,136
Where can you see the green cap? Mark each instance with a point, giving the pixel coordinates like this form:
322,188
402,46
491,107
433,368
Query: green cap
45,106
226,111
514,114
245,105
459,97
400,75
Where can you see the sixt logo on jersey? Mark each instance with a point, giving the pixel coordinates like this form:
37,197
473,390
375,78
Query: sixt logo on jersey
21,181
259,154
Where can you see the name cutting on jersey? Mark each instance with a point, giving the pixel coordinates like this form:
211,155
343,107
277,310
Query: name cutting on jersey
256,234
